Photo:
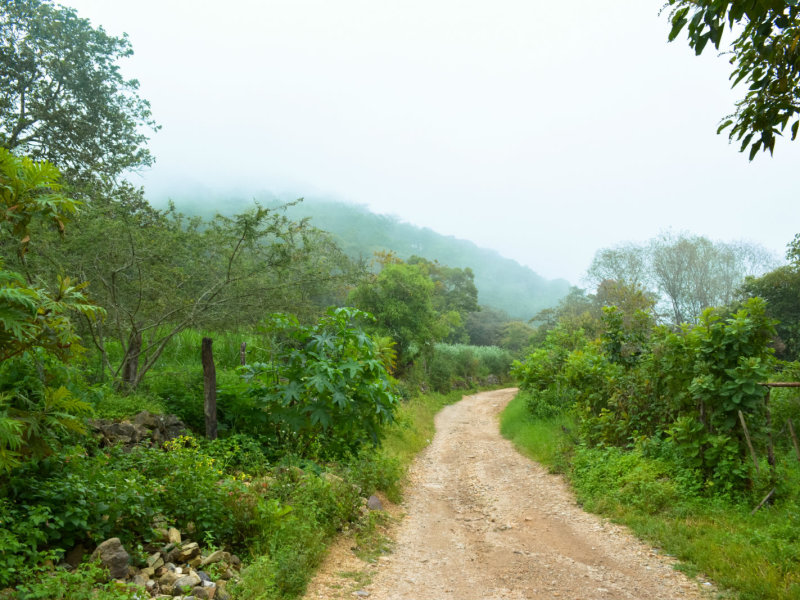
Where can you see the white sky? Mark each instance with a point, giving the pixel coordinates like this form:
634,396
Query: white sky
544,130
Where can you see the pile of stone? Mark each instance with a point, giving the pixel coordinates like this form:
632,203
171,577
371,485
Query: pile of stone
179,570
144,428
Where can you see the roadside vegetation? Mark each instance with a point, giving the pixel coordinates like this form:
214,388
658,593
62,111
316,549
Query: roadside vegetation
302,404
311,394
666,426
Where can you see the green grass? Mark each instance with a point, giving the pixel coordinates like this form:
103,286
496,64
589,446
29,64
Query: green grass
109,404
543,441
750,557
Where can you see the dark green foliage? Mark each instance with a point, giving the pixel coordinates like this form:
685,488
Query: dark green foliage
56,70
401,299
539,375
30,315
765,56
37,332
485,327
158,273
455,366
225,488
637,383
88,582
781,289
454,288
323,389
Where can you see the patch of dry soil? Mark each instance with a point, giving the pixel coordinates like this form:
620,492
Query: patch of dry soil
483,522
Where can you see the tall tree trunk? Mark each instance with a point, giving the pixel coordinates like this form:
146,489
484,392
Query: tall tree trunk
209,389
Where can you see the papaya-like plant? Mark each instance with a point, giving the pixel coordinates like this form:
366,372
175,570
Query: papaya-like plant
324,389
35,320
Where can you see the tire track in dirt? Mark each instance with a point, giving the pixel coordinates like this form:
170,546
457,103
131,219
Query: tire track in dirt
483,522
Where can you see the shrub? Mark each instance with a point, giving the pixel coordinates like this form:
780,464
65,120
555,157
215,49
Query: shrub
689,386
88,582
324,391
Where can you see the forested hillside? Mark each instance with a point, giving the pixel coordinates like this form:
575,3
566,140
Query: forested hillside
502,283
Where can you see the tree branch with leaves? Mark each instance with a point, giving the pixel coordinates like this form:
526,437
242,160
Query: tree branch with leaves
765,54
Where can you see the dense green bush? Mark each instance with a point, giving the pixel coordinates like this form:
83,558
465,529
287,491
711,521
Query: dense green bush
88,582
638,382
223,490
321,391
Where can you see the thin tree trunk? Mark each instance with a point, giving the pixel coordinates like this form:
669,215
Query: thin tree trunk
210,389
243,353
749,443
130,368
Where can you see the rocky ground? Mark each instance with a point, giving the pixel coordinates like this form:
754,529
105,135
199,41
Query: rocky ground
180,570
483,522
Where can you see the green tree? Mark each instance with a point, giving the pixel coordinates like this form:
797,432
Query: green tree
485,327
158,273
401,299
694,273
626,263
781,289
62,96
516,336
30,315
577,311
455,295
793,252
685,273
765,56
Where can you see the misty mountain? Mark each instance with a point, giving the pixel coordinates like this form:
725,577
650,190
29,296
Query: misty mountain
502,283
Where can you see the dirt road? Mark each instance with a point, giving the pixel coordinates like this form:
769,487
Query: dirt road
483,522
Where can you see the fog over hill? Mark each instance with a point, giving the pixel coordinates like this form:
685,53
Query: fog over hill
502,283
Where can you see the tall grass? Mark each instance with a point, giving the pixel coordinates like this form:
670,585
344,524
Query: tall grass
459,365
544,441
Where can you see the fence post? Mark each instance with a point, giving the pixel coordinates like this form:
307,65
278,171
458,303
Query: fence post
209,389
770,447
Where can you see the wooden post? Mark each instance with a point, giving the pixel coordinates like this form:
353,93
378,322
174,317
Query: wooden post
243,353
209,389
794,438
749,443
770,448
